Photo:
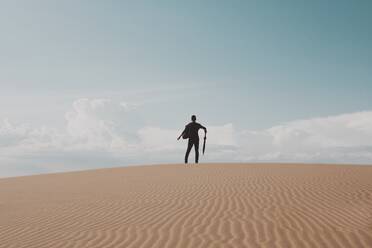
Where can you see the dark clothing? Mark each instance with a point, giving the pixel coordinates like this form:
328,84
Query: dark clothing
195,143
192,129
191,132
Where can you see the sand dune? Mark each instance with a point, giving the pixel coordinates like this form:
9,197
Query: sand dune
208,205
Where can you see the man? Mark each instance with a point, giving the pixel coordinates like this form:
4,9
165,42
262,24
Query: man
191,133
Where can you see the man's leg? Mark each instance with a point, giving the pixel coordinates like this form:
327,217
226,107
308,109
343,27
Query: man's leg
196,146
189,146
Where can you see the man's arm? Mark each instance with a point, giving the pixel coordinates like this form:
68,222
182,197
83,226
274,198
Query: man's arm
181,134
204,128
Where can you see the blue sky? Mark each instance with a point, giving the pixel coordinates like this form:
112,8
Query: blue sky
254,64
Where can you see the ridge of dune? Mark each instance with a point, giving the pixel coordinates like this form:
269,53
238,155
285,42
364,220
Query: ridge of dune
205,205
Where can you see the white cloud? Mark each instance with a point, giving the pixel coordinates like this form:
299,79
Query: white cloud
222,135
158,139
318,139
102,132
11,135
93,124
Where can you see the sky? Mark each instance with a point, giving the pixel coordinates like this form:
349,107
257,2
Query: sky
94,84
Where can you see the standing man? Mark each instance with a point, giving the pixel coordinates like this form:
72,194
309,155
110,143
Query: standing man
191,133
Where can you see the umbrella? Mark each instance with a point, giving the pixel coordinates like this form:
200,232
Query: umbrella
205,138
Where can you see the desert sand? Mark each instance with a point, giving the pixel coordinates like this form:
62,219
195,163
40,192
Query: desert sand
205,205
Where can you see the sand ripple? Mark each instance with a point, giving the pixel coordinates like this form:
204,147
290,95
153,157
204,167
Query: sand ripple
209,205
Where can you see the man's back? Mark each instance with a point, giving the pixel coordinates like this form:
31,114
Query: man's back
192,130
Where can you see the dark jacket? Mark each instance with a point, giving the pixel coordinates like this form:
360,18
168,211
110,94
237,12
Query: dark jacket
191,131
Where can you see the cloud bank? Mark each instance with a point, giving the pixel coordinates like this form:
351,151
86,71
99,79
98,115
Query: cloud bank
104,133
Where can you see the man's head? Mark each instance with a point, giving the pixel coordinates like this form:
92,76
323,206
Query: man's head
193,118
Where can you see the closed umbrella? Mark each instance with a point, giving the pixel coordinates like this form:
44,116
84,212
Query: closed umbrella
205,138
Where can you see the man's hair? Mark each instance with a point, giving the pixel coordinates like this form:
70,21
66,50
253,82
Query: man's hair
193,118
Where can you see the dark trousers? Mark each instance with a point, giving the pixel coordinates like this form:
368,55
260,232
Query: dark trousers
195,143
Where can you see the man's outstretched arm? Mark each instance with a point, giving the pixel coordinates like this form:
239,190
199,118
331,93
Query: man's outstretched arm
181,134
